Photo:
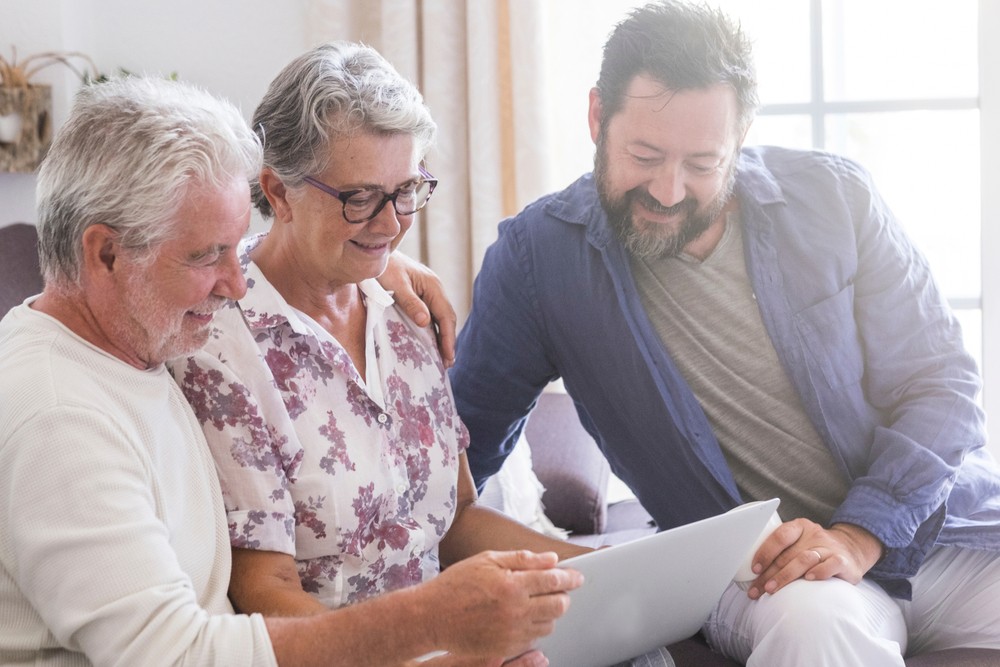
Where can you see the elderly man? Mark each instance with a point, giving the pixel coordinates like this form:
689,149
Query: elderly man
113,543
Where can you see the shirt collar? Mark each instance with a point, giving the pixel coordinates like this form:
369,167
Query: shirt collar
263,307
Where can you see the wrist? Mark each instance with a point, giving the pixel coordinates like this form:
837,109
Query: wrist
870,548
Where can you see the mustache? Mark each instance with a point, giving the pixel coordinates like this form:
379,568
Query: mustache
650,203
211,306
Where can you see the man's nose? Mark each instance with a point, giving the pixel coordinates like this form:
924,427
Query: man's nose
231,283
667,186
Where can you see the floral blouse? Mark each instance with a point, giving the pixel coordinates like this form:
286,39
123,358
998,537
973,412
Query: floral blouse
356,479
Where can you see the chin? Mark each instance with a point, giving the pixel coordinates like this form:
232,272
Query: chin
186,344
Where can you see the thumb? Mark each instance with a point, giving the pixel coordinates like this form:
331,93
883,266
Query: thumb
413,306
526,560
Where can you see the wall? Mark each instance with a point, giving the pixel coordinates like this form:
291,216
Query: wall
231,48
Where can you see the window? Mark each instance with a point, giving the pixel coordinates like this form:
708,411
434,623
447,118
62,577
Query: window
893,85
832,77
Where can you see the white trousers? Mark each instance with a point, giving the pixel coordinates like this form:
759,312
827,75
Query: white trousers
956,603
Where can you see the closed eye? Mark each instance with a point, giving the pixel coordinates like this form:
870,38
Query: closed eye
364,197
207,257
646,160
705,168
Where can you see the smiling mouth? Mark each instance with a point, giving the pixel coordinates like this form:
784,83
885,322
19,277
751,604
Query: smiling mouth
658,215
371,246
202,317
206,316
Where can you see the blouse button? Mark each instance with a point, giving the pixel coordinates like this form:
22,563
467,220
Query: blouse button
382,418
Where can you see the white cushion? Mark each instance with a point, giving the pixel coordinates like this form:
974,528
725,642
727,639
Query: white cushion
516,491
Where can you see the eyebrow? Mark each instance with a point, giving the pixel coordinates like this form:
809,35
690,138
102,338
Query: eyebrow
374,186
215,248
701,154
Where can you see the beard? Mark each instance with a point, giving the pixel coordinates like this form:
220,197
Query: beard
156,332
644,239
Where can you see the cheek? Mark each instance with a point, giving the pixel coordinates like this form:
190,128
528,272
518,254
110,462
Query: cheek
623,175
194,290
708,189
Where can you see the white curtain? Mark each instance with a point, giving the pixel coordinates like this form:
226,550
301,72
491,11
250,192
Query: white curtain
477,64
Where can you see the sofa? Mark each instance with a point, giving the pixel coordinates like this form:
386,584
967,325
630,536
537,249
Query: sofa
572,474
19,273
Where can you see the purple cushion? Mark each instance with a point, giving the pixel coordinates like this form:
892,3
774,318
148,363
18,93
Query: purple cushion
20,276
569,465
956,657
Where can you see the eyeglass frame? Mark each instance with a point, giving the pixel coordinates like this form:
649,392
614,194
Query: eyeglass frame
386,197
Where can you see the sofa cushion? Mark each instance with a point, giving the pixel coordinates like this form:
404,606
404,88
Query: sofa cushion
570,466
20,276
957,657
516,491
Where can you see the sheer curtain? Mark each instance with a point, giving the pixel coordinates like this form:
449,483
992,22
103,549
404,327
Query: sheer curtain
477,64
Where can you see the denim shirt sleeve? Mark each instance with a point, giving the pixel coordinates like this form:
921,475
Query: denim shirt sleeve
501,364
874,349
919,377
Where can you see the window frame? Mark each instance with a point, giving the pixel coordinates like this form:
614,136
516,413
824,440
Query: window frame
989,113
817,108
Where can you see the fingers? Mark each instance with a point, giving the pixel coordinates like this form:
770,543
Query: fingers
529,659
412,305
446,327
501,602
546,582
525,560
445,319
797,564
537,572
801,549
829,566
420,293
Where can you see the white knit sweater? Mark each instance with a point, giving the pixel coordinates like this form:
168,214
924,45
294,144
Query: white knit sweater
113,543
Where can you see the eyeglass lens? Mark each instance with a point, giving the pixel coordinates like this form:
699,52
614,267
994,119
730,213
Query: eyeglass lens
366,204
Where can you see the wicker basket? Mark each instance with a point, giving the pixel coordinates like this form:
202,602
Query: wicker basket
33,104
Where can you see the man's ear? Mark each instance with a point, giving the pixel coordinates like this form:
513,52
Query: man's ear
594,114
100,251
277,194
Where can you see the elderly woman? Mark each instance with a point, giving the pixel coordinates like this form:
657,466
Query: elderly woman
328,412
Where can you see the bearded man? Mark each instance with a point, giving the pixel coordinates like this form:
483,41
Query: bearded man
736,324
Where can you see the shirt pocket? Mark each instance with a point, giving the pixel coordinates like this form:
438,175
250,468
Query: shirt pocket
830,337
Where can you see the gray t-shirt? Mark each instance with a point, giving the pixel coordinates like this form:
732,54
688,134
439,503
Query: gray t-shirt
706,315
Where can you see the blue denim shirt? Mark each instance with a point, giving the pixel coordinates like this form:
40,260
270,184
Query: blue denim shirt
850,305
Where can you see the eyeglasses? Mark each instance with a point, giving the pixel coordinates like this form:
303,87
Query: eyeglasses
363,205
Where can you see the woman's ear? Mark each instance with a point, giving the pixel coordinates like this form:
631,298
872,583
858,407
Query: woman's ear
277,194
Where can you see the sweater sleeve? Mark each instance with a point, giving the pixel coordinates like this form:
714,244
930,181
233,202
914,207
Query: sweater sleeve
84,541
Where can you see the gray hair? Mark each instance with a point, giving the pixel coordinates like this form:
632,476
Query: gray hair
125,158
336,89
682,45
